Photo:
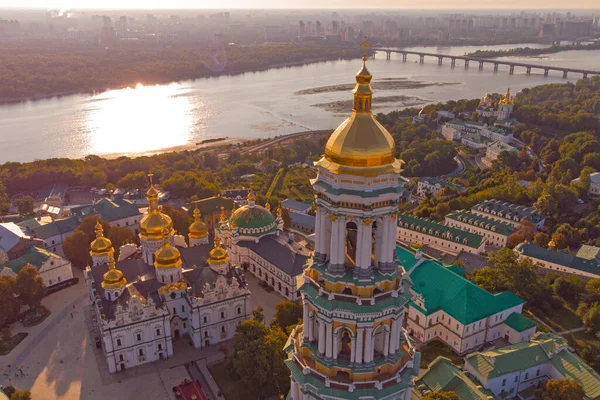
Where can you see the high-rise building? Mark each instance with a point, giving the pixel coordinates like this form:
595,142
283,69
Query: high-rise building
319,28
301,29
352,343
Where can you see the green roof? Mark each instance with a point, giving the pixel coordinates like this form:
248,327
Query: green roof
211,205
443,289
442,376
442,182
589,265
247,217
44,228
519,322
374,193
543,348
510,211
433,228
109,210
482,221
34,256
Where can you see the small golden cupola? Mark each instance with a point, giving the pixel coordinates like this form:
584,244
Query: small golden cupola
101,247
154,222
114,281
198,231
168,256
218,259
361,145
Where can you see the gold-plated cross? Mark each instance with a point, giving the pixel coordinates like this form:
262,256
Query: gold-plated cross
365,45
150,175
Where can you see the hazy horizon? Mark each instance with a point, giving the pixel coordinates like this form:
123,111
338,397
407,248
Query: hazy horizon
429,5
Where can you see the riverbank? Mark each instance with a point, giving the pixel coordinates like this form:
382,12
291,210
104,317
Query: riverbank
528,51
99,70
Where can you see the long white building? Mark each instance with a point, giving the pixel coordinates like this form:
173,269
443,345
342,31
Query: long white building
447,307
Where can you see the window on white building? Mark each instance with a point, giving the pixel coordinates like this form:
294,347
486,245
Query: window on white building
158,332
138,336
119,342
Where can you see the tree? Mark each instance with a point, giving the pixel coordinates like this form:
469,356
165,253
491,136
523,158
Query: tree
8,299
541,239
120,236
133,180
21,395
258,314
515,239
287,220
258,359
77,249
569,288
30,286
591,319
25,206
509,273
560,389
181,220
287,315
441,396
592,289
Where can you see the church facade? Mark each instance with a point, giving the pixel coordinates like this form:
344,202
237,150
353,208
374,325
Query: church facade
257,242
352,343
143,303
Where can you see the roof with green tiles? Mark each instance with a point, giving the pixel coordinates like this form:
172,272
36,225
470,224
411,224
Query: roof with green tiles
589,265
432,228
482,222
506,210
211,205
362,193
365,308
543,348
44,228
443,289
34,256
442,182
519,322
442,376
109,210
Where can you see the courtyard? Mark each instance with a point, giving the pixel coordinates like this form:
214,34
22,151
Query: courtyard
59,359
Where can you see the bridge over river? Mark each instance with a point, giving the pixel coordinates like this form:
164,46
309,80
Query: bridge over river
483,61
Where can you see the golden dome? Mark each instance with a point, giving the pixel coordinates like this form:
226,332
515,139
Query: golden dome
100,246
154,222
198,229
218,255
113,278
361,145
167,256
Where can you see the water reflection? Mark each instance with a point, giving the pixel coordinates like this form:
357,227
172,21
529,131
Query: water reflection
139,119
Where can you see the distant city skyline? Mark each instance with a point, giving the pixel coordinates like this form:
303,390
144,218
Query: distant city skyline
328,4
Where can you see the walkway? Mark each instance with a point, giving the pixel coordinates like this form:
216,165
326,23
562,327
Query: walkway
572,331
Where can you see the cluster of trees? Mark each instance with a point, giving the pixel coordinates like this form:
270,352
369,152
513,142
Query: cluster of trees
421,148
27,288
77,246
189,174
30,71
258,359
528,51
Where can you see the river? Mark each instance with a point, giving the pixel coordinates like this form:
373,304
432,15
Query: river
250,105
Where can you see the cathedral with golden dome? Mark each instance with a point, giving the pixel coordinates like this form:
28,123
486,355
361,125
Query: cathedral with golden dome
160,293
352,343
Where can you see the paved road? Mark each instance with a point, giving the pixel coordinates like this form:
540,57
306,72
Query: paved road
280,139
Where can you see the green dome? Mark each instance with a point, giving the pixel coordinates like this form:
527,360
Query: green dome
255,220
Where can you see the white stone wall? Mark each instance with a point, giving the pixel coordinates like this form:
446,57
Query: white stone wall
557,267
514,382
409,236
492,238
283,284
132,223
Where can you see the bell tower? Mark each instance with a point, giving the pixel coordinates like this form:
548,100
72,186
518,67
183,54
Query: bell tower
352,343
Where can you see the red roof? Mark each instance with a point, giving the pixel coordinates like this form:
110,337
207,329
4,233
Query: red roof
190,391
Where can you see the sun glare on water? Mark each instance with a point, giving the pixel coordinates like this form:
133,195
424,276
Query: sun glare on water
140,119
